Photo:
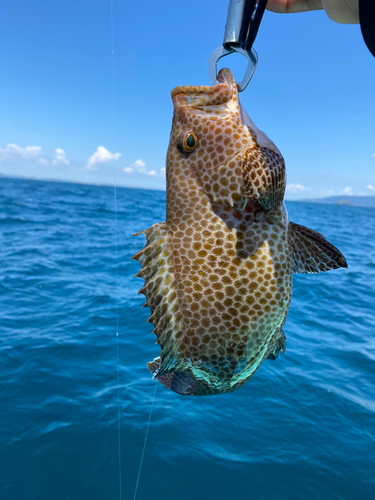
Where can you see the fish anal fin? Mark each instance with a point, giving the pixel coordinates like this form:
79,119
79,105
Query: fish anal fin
311,252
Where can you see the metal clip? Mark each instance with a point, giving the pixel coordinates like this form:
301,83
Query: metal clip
220,52
241,29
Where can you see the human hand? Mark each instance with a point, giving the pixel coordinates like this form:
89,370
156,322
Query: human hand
341,11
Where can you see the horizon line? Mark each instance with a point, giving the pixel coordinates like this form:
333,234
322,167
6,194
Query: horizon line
104,184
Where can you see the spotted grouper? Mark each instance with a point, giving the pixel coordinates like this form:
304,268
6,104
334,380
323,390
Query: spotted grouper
218,272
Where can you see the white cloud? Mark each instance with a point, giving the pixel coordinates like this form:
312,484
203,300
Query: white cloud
295,188
373,155
60,157
13,152
101,155
371,188
347,190
138,164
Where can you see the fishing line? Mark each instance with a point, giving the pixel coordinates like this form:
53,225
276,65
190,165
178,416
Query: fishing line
113,76
116,281
118,358
117,304
145,442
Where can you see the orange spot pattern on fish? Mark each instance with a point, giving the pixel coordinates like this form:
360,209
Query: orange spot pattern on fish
218,272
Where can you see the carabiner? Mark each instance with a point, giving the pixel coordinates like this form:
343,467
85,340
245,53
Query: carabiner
243,20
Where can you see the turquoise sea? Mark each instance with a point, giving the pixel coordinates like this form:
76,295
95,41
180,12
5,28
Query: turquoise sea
302,428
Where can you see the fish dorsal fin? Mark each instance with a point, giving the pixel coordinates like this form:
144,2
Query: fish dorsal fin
160,291
311,252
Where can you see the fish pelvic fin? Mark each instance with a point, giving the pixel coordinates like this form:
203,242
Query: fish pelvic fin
277,345
160,291
311,252
264,178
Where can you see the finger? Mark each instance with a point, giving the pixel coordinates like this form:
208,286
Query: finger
342,11
290,6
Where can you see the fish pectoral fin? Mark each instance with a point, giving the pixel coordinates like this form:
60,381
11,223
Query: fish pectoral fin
311,252
277,345
264,179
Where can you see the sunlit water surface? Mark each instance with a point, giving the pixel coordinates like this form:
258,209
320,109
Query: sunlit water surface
302,428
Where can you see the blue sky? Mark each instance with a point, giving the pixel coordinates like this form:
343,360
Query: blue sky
312,92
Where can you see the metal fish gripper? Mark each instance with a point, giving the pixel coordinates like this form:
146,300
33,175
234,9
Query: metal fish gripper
243,21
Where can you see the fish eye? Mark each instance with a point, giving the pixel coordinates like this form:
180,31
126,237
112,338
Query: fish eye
187,142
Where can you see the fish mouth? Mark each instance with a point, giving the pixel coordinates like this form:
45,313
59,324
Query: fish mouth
204,97
225,76
217,100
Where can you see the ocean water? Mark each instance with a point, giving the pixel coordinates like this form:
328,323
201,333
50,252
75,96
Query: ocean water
302,428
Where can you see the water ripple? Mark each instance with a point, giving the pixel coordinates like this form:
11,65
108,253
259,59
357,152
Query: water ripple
303,427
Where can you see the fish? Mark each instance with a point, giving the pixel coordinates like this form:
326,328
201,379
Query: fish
218,273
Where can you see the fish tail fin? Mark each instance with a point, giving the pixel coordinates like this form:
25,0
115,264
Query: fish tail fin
177,381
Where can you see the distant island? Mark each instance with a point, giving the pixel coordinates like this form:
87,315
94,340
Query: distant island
354,201
349,200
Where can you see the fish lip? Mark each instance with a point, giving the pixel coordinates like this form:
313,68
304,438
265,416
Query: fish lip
187,89
225,76
196,96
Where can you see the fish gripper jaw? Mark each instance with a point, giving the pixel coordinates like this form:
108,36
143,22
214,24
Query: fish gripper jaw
243,20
